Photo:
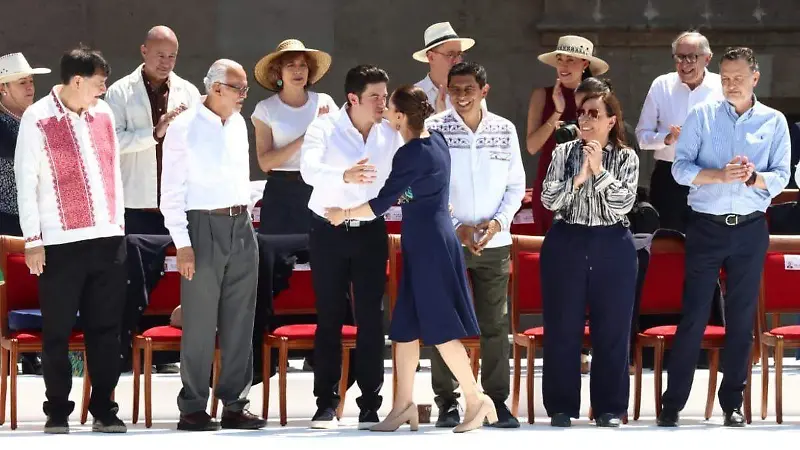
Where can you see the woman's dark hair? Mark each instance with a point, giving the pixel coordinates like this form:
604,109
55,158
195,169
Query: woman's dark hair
613,108
275,68
594,85
413,102
83,62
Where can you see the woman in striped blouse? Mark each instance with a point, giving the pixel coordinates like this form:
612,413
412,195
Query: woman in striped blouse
588,259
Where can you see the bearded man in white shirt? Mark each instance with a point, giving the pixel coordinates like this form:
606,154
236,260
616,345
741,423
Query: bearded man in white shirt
145,102
487,185
346,158
666,106
205,189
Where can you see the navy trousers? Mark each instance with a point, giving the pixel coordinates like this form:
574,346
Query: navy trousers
741,251
582,267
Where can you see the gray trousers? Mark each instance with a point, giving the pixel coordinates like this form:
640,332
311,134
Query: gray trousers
219,300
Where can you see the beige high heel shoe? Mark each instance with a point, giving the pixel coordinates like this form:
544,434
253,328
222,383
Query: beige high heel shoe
486,411
410,415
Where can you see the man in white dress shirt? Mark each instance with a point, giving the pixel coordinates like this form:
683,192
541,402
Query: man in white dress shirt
487,185
346,157
668,102
70,203
205,189
145,102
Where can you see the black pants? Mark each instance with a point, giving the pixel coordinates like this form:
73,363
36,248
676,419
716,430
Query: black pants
9,225
86,277
341,256
668,198
143,221
284,207
580,267
740,250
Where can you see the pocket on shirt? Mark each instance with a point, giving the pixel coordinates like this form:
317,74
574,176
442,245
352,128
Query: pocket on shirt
499,155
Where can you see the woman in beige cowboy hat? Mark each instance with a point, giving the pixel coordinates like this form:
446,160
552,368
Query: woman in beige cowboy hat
280,122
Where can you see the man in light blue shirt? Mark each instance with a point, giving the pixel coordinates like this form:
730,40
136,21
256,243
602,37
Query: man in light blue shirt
734,155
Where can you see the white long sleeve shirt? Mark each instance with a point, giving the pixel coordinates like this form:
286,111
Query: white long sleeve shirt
66,168
134,126
206,166
668,102
331,146
487,179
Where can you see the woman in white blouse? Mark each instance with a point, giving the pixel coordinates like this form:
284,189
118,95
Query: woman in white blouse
280,123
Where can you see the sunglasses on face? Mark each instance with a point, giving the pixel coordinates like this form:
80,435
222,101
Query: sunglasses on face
593,114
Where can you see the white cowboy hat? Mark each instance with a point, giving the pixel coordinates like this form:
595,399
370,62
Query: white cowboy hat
322,59
578,47
14,66
438,34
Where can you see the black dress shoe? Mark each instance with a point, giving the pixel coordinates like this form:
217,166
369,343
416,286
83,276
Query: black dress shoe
560,420
448,415
504,417
607,420
197,421
667,418
734,419
241,420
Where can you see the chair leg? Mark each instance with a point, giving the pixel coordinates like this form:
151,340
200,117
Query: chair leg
137,369
215,371
637,380
266,363
343,381
87,389
529,376
4,365
475,361
779,379
764,380
148,382
658,356
713,370
283,362
12,360
516,380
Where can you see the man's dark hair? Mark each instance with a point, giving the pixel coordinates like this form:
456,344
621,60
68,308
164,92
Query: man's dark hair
468,68
84,62
740,53
357,79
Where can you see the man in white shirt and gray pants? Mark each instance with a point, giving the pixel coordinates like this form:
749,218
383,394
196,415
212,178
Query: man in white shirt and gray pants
205,189
487,185
668,102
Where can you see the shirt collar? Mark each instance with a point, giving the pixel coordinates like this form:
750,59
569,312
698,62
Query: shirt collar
60,109
706,83
483,122
427,84
747,114
148,84
211,116
346,123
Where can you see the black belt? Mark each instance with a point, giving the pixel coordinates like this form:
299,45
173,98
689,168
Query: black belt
293,175
731,220
349,223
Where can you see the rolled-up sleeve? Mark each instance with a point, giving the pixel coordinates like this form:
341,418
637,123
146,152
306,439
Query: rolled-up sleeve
27,162
174,177
685,168
776,177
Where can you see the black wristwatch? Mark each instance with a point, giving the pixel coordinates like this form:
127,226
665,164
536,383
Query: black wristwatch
752,180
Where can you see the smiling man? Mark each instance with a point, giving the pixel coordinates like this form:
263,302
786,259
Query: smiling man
487,184
670,98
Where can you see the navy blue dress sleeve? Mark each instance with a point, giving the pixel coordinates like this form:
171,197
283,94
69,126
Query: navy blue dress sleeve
406,168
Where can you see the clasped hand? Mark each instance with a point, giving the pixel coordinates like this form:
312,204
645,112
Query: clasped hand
335,216
592,162
738,170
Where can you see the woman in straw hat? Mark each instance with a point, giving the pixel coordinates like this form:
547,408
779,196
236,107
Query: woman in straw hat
574,60
280,122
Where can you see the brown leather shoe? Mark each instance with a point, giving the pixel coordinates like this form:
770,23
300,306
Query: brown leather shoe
197,421
242,420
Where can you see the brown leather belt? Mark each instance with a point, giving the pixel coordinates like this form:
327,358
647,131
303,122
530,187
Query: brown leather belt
231,211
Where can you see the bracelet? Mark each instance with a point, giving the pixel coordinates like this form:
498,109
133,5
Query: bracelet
559,112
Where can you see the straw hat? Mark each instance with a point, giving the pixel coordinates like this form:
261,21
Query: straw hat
438,34
323,63
578,47
14,66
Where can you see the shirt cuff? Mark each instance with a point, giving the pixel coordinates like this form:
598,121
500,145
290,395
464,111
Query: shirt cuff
181,240
151,134
34,241
501,219
602,181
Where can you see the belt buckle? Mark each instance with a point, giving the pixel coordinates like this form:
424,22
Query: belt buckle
732,223
355,223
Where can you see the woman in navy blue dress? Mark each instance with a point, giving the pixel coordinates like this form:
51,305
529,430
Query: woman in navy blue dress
434,304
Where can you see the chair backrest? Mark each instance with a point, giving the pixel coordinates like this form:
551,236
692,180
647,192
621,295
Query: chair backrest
166,295
299,297
523,223
21,288
780,278
526,286
256,215
394,220
662,292
395,264
787,195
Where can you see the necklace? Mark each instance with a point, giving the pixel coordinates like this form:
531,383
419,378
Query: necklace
8,111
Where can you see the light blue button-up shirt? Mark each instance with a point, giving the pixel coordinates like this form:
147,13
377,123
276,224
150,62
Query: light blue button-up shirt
712,135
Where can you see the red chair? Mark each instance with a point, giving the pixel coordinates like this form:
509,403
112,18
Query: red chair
394,220
21,291
256,215
299,299
523,223
778,296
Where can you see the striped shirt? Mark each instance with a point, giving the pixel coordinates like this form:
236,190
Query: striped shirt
714,134
603,199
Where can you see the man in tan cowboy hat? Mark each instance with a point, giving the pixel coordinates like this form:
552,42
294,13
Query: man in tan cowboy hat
443,49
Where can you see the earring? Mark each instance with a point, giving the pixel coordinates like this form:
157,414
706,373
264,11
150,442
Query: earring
279,83
397,127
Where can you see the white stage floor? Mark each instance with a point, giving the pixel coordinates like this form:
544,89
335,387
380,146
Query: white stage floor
693,431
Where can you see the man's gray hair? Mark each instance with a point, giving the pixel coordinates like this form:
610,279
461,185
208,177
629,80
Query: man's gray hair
218,72
702,41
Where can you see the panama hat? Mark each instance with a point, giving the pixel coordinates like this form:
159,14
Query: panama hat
323,63
14,66
438,34
578,47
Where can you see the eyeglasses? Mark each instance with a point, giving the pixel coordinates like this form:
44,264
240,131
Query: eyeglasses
690,58
242,90
593,114
450,55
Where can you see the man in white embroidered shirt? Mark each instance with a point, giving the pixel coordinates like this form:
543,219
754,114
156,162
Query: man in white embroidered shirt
346,157
145,102
669,100
487,185
70,202
205,188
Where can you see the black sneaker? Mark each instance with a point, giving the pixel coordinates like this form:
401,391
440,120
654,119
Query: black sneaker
56,425
325,419
109,423
504,417
560,420
197,421
734,419
667,418
607,420
448,415
367,418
